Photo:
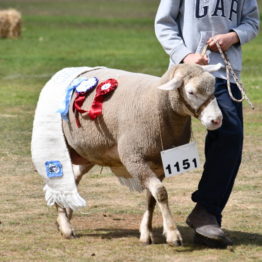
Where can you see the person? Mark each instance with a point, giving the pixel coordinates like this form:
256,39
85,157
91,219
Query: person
183,28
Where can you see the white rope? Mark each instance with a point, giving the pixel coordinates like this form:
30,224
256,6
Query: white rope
229,70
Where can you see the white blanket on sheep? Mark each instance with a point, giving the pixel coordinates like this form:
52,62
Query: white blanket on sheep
48,143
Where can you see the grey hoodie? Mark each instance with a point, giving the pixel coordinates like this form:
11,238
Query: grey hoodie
183,27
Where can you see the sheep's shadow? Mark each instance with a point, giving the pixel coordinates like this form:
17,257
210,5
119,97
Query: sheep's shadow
238,237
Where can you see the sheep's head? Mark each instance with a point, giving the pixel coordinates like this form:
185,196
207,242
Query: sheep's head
196,88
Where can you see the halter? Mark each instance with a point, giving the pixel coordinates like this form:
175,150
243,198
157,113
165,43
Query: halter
195,112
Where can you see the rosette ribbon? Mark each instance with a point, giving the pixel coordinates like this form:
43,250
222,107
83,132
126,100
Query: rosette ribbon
102,90
64,107
82,90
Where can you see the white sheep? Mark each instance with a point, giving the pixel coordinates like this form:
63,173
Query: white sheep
10,23
127,137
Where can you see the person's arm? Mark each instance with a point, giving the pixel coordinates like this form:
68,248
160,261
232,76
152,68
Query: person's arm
167,30
249,25
167,33
247,29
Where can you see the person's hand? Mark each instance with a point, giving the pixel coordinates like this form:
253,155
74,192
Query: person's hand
196,59
225,41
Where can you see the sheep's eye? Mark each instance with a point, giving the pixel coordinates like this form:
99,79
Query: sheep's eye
191,93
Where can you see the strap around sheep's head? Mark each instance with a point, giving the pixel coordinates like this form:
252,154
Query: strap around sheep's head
196,112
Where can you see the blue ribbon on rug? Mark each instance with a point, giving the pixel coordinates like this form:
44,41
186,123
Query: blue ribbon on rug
65,108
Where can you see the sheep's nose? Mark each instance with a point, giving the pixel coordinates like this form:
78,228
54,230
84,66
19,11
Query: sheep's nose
216,121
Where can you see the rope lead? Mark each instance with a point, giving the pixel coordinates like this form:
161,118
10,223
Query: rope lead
229,70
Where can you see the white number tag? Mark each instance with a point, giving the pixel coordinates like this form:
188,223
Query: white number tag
180,159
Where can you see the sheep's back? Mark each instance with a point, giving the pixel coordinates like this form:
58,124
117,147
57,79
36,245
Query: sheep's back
124,111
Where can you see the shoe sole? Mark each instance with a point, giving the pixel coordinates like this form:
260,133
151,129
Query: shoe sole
202,240
219,239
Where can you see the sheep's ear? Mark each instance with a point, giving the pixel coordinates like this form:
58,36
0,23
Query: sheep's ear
212,68
174,83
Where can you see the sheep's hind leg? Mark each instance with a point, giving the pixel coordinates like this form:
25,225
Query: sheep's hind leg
63,223
65,214
159,192
146,235
79,171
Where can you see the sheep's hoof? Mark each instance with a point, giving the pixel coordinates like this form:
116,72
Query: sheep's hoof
69,236
147,240
174,238
67,233
176,243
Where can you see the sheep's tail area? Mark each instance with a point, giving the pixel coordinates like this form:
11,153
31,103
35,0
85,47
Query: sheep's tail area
70,199
48,144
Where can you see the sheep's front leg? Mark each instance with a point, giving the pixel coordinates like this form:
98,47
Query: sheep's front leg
159,192
137,167
146,235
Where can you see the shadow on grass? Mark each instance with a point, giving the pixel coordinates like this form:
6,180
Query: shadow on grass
239,238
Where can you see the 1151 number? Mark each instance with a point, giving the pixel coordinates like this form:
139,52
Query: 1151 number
186,164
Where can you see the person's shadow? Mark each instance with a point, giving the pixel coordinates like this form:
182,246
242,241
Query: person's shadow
238,237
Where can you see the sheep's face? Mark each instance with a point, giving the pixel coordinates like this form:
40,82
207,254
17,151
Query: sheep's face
198,93
196,88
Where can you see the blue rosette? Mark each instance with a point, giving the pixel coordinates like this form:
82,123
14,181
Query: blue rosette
80,84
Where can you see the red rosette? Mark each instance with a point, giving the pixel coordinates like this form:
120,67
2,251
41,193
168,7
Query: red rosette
83,89
102,90
78,102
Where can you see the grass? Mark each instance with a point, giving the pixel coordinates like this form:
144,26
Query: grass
119,34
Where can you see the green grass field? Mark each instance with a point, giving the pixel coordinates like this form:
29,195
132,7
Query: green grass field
118,34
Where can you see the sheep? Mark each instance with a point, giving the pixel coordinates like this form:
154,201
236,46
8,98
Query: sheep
10,23
127,137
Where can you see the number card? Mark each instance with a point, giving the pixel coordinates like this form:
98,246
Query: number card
180,159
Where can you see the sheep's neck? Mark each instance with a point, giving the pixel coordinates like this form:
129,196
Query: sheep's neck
170,102
175,123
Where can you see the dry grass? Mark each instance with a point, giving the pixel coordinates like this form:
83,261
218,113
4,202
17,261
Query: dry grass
57,35
107,230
